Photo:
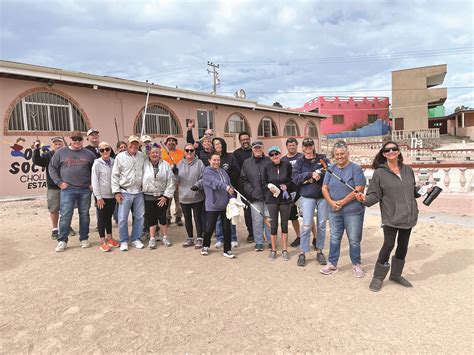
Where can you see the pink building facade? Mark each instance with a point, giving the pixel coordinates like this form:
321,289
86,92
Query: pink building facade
347,113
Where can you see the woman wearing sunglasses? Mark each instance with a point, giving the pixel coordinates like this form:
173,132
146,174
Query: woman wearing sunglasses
158,189
191,194
105,200
393,186
278,186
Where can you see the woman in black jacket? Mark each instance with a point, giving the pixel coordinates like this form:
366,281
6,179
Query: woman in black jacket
277,188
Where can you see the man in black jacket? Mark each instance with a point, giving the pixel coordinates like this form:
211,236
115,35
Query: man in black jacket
240,155
53,193
251,184
94,140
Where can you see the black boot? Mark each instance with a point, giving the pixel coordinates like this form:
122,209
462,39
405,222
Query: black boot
396,272
380,272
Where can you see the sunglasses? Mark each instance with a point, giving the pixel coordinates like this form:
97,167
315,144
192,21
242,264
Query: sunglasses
76,139
274,154
102,150
189,150
391,149
308,145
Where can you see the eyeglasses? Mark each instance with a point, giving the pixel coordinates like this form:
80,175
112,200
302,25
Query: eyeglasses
391,149
245,140
274,154
189,150
76,139
102,150
340,144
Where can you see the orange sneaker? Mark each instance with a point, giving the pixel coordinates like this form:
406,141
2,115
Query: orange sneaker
113,243
104,247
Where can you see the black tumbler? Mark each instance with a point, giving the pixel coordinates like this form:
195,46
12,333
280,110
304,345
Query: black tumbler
432,195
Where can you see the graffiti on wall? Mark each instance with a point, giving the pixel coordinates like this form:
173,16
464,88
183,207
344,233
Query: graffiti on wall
29,174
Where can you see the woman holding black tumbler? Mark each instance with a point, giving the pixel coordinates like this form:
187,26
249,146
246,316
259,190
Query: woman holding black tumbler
393,186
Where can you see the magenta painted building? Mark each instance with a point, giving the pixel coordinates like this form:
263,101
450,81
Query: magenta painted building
347,113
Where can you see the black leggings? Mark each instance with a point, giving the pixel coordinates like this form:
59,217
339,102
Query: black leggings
191,210
284,211
389,237
211,226
155,213
104,217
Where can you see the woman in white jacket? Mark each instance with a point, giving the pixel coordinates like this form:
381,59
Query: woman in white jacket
158,189
102,190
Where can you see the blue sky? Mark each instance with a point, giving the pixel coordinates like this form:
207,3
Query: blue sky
286,51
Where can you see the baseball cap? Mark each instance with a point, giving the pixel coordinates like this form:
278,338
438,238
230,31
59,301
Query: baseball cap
145,138
171,137
57,138
133,138
76,134
92,130
274,148
308,141
257,143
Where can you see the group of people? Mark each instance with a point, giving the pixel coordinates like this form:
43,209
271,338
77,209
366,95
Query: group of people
144,177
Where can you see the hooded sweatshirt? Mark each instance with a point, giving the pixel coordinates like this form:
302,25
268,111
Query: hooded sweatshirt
190,175
215,183
228,163
303,170
396,196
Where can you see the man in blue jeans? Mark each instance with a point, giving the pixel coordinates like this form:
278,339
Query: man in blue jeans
308,176
127,176
70,169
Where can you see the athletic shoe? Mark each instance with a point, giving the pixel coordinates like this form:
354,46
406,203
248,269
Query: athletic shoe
152,243
54,234
166,242
357,270
314,243
188,243
258,247
285,255
113,243
229,254
104,247
235,244
123,246
219,245
61,246
328,269
301,260
179,222
250,239
320,258
85,244
199,242
138,244
295,243
205,251
272,256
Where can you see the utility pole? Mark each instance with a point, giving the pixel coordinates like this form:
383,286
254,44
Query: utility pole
215,74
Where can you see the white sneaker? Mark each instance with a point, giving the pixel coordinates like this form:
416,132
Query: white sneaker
138,244
235,244
85,244
166,242
229,255
205,251
123,246
61,246
219,245
152,243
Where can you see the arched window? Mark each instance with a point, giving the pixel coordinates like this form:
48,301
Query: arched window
267,128
311,130
158,120
291,129
46,111
236,123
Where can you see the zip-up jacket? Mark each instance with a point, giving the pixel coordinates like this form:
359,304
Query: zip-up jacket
160,184
215,188
278,175
102,178
241,155
127,173
190,175
251,178
303,170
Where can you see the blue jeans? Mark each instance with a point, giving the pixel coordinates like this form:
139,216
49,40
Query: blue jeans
129,200
259,227
308,205
220,233
352,224
69,198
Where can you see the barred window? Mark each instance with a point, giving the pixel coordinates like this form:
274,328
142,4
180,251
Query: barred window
311,130
291,129
158,120
338,119
236,124
46,111
267,128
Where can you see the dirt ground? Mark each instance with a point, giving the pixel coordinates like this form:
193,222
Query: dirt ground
174,300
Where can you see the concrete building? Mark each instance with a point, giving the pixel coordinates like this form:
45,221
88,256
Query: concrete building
44,102
412,96
347,113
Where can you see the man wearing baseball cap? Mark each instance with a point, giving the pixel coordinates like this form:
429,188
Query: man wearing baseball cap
94,140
